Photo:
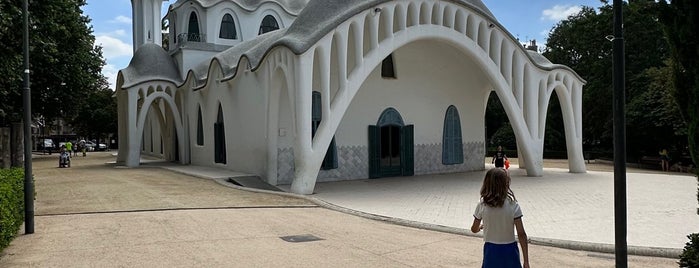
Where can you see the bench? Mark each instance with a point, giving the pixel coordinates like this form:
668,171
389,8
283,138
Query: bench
652,162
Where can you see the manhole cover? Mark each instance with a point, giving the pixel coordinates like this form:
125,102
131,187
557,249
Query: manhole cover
300,238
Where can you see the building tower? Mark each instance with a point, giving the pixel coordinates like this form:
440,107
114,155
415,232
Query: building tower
146,22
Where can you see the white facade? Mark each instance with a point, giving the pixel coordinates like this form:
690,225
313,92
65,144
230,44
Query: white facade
256,93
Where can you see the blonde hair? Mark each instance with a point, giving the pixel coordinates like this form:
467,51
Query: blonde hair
496,188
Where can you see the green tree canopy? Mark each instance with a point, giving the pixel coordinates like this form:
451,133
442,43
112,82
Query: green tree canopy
65,65
580,42
96,117
680,24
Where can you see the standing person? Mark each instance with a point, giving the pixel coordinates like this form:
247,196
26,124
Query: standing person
499,158
500,214
69,147
83,147
664,160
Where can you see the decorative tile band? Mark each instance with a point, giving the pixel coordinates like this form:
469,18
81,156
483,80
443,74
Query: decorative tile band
353,162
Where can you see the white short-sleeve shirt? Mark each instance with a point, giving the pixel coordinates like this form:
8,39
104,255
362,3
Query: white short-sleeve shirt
498,223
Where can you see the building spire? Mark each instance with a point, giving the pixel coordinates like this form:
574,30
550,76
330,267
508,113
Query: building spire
146,22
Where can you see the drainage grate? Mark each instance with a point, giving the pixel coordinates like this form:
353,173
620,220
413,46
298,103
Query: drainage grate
300,238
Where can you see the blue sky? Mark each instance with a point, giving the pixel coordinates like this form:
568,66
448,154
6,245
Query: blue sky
111,22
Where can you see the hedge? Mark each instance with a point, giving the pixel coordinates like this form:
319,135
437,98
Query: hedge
11,204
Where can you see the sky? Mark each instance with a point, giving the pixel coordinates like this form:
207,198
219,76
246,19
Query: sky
526,20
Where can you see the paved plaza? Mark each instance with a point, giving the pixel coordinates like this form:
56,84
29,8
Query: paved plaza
164,215
559,205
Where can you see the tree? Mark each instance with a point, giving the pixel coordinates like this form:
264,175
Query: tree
680,21
96,118
65,64
580,43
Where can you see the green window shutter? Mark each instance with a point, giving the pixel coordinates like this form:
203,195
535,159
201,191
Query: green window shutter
452,148
316,107
330,160
407,157
374,151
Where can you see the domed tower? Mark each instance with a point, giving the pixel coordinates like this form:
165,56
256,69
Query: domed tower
147,25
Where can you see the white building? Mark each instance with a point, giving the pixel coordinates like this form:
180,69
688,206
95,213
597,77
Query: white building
299,91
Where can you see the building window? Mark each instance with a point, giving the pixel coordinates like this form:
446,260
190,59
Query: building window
228,28
387,69
200,129
391,146
330,160
269,23
219,138
452,146
193,30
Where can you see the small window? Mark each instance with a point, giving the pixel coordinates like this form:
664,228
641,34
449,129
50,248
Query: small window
193,34
200,129
452,145
269,23
228,28
387,69
219,138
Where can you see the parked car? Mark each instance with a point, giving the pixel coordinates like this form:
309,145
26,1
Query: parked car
46,145
92,146
101,147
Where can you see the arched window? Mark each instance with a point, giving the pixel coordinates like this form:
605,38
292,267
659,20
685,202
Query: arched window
269,23
200,128
330,160
219,138
387,69
452,146
193,29
228,28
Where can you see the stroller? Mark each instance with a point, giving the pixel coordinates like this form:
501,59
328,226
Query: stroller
64,158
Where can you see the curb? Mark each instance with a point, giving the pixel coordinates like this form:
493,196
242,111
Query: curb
672,253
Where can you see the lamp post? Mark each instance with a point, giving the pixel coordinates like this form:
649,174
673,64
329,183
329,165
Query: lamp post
620,223
28,176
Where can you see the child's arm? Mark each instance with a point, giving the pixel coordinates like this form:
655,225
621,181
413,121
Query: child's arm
476,226
522,236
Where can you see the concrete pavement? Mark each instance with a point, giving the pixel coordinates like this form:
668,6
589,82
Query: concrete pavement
97,215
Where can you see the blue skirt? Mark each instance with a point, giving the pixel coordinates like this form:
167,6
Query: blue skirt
501,255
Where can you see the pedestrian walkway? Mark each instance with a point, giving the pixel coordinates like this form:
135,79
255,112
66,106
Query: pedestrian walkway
559,205
560,208
97,215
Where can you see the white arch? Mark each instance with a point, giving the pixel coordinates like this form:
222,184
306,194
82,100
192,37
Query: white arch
143,112
499,62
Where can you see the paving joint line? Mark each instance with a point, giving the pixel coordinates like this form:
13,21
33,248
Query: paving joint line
171,209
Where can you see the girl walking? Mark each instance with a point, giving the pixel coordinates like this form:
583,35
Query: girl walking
498,214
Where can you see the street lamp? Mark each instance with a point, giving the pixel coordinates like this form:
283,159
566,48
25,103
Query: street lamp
28,176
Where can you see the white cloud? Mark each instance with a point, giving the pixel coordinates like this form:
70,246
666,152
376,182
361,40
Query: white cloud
114,50
113,47
110,71
559,12
119,32
121,19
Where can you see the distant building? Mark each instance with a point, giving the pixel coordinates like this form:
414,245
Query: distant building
298,91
